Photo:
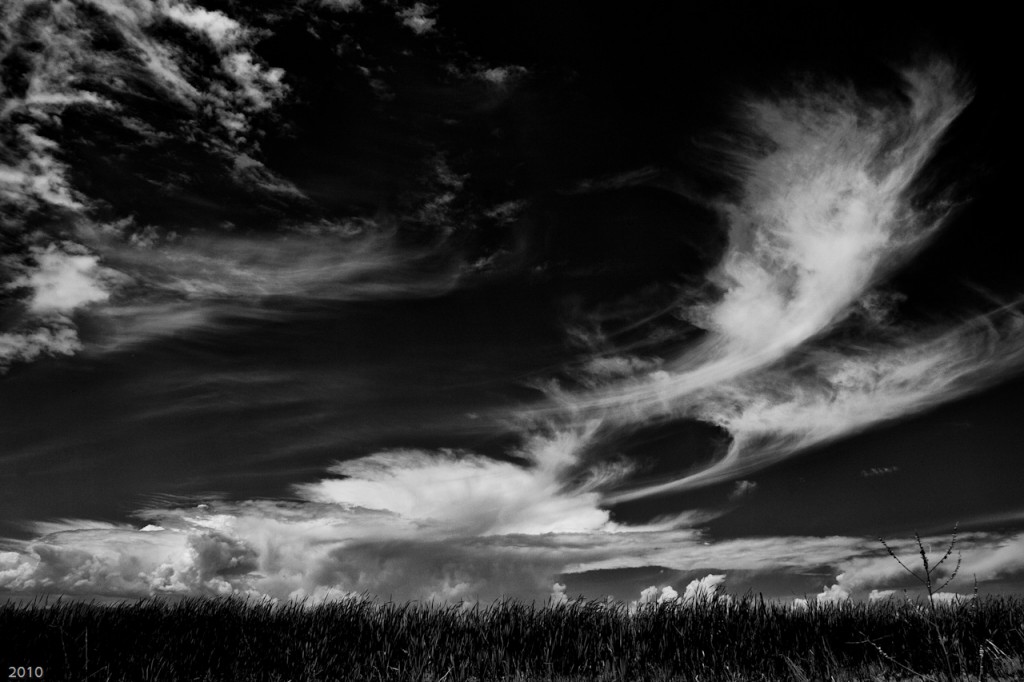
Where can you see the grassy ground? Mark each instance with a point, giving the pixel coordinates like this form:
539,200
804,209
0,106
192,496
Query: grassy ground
741,639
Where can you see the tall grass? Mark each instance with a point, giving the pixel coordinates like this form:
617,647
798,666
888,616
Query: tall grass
740,639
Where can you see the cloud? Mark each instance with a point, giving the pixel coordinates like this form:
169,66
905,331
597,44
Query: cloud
63,74
703,589
223,31
410,524
649,595
983,557
166,285
828,206
29,345
416,18
833,594
821,218
881,595
60,279
502,76
742,489
406,524
468,494
558,596
35,176
63,280
668,595
414,526
950,598
879,471
698,590
343,5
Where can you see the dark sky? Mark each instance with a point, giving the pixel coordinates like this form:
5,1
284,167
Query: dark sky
460,300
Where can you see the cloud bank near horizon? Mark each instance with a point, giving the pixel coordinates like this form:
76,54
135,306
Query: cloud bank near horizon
326,545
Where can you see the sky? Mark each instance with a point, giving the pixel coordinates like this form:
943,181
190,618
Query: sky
454,301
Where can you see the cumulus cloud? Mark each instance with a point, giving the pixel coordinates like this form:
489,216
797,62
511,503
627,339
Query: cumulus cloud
697,591
396,530
668,595
222,30
881,595
469,494
410,525
703,589
558,596
833,594
649,595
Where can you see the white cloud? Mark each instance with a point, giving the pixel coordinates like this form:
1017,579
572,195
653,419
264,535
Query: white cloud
833,594
416,18
649,595
703,589
408,545
502,75
983,557
29,345
63,281
240,87
262,87
881,595
826,211
950,598
617,366
742,489
195,282
343,5
558,596
668,595
223,31
38,176
468,494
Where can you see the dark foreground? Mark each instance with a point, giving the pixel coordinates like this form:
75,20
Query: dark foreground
741,639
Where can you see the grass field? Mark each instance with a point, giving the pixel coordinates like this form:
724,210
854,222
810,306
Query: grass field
725,639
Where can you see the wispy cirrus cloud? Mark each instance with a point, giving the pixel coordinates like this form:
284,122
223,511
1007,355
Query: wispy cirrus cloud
54,43
822,216
828,206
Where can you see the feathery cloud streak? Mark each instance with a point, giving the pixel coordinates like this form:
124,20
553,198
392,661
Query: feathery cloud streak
829,205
